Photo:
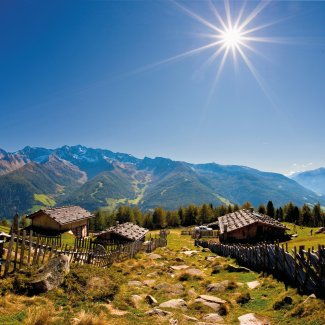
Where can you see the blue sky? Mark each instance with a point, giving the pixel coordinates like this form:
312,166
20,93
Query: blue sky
83,72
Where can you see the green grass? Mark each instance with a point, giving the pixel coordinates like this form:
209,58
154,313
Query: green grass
304,238
44,199
4,229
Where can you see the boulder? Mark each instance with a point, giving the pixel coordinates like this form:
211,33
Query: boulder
173,321
207,250
175,304
136,299
213,318
253,284
218,287
194,272
213,302
154,256
151,300
189,318
159,312
190,253
135,284
179,267
252,319
233,268
176,289
149,283
51,275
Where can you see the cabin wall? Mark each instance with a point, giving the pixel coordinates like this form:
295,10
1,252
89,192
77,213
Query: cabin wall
45,222
247,232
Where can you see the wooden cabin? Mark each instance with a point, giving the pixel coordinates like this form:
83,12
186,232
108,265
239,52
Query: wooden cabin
124,232
61,219
249,226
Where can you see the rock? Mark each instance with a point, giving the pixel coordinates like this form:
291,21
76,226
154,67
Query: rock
208,250
136,299
190,253
213,318
192,293
51,275
179,267
253,284
149,283
175,304
218,287
178,259
151,300
233,268
176,289
216,269
184,248
210,258
173,321
135,284
213,302
281,303
159,312
194,272
154,256
190,319
252,319
152,274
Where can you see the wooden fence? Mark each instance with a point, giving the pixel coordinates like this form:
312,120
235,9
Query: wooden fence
302,269
201,233
24,250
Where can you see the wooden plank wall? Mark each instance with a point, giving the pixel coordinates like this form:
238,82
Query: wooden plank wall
300,268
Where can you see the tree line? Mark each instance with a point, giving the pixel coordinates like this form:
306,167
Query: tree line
203,214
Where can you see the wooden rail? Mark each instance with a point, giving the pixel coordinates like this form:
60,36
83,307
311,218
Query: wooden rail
27,251
300,268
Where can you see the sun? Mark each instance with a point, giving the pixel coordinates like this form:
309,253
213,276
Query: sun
232,38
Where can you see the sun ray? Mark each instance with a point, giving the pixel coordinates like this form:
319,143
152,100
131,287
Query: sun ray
197,17
216,13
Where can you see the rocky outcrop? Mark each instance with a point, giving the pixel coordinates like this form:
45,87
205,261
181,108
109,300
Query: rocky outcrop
51,275
175,304
252,319
213,302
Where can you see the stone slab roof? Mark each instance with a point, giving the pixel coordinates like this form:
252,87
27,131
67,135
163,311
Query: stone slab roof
65,214
127,230
244,218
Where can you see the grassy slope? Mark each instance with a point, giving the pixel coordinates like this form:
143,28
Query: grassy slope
304,237
87,291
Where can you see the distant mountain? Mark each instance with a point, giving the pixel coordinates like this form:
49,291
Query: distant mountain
312,179
34,177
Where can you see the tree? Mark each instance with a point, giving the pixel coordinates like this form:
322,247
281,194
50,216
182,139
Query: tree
288,212
24,222
262,209
317,215
305,216
4,222
159,218
236,207
247,205
147,220
205,214
191,214
270,209
279,214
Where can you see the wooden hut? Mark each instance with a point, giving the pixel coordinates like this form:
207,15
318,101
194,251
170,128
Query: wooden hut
249,226
124,232
61,219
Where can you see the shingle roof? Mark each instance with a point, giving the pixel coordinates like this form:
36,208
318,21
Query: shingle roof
127,230
243,218
64,215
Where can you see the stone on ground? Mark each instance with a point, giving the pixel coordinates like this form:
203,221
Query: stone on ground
154,256
135,284
151,300
175,289
173,321
252,319
253,284
159,312
51,275
136,299
179,267
194,272
149,283
218,287
213,318
213,302
189,318
207,250
175,304
189,253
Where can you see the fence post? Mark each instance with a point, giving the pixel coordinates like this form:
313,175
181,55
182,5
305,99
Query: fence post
22,251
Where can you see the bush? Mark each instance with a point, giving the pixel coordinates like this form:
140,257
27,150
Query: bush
244,298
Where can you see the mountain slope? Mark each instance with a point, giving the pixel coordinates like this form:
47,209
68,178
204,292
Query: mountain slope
312,179
94,178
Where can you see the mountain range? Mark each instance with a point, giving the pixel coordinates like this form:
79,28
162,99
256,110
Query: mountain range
32,178
312,179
